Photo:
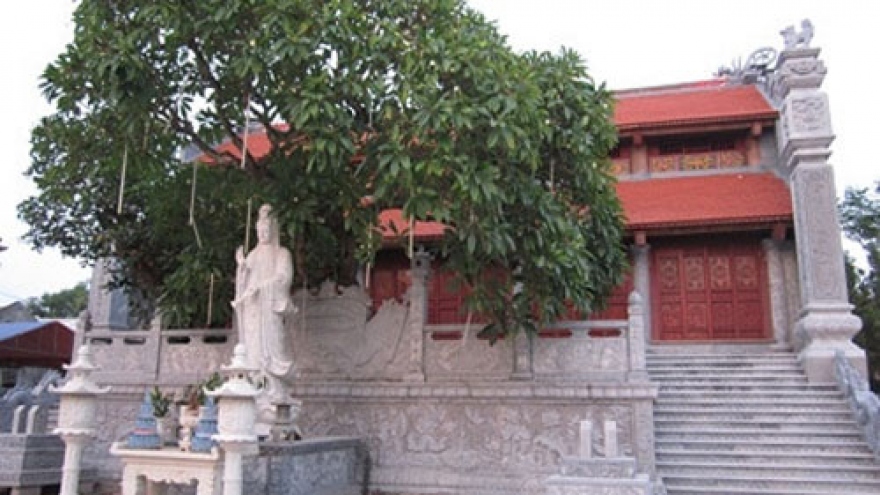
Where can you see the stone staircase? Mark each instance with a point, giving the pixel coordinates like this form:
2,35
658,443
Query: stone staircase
745,421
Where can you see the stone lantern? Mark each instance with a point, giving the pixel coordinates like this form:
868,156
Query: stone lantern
236,420
76,419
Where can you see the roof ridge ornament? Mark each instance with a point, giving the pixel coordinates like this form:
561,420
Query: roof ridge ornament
759,63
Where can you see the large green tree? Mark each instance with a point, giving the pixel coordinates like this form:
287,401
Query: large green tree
366,105
860,215
67,303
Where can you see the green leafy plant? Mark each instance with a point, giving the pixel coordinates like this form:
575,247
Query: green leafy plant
161,402
360,107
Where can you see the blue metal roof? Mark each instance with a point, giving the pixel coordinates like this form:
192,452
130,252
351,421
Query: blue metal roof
12,330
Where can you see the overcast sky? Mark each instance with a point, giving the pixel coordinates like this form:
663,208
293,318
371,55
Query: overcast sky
627,43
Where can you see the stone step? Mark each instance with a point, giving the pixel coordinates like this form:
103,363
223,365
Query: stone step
794,402
829,459
719,386
762,471
777,481
731,378
767,357
725,375
766,408
752,436
722,416
667,394
802,426
769,446
710,490
733,365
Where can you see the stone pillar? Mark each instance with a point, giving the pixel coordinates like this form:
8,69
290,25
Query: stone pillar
523,357
641,256
778,302
76,416
107,309
236,420
826,323
636,339
420,271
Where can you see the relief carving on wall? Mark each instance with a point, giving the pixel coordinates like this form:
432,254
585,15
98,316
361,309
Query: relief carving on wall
819,219
334,338
468,357
580,354
467,436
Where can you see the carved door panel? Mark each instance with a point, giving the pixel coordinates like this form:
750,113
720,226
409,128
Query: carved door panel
711,290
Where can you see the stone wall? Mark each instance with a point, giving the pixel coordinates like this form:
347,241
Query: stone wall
437,414
475,438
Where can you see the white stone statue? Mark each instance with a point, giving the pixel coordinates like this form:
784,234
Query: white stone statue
262,304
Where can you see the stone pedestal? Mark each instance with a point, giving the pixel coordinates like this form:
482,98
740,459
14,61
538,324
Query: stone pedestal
611,474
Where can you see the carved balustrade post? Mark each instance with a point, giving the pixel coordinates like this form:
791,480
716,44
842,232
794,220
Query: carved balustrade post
636,338
76,419
420,271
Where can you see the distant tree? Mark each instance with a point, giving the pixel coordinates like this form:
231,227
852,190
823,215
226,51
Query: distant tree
67,303
2,247
860,215
365,105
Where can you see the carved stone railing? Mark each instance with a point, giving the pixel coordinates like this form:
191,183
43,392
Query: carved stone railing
173,357
864,403
603,350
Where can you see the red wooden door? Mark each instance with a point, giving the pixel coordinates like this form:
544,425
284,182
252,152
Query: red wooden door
710,290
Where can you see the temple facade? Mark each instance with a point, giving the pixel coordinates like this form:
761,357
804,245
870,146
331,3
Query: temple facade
730,212
735,248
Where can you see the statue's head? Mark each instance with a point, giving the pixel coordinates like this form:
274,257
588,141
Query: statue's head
267,226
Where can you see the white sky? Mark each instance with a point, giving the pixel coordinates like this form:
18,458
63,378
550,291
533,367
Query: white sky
627,43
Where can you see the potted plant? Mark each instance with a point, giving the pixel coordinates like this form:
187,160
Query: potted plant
165,424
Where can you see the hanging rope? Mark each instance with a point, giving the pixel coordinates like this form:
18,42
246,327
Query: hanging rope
210,301
122,180
192,207
412,228
247,128
247,227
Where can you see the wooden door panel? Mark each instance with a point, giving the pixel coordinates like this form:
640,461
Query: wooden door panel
710,290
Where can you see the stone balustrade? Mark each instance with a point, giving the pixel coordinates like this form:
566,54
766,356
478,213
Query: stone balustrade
168,357
864,403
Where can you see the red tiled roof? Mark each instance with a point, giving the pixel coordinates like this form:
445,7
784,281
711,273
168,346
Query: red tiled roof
693,105
707,200
393,225
731,199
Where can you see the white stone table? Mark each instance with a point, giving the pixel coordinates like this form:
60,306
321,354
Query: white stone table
156,469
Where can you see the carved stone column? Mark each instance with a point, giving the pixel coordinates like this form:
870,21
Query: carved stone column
778,302
523,349
420,270
826,322
641,256
636,311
